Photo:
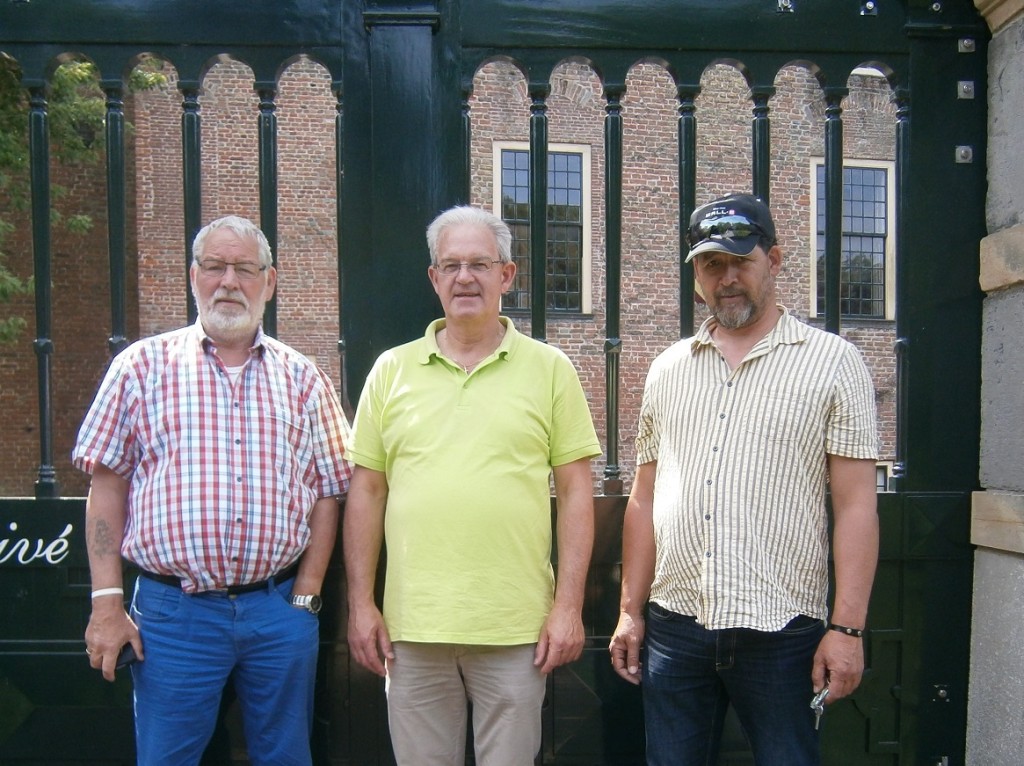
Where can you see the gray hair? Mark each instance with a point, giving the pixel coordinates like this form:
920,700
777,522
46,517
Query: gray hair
468,215
243,227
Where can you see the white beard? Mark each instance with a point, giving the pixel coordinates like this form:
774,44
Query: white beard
230,323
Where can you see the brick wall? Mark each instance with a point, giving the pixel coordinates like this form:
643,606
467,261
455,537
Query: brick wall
307,293
307,285
81,326
650,256
157,289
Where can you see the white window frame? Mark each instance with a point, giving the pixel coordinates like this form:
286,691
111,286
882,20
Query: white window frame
890,232
586,252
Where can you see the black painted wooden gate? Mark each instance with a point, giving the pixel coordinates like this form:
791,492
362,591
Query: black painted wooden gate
402,74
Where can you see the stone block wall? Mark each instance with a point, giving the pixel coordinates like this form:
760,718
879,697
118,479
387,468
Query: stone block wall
995,731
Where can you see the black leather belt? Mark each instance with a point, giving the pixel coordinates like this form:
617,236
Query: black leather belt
232,590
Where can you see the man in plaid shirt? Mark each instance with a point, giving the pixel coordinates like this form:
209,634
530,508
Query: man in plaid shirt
217,457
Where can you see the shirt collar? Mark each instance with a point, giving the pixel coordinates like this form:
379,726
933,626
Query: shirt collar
787,330
209,345
430,350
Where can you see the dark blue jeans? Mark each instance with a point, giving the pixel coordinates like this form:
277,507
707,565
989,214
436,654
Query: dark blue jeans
690,675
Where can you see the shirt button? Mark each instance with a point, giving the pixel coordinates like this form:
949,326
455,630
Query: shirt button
707,517
729,384
236,404
239,441
714,449
707,555
708,482
720,417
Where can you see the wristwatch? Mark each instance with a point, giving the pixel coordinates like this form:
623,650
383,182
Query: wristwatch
311,603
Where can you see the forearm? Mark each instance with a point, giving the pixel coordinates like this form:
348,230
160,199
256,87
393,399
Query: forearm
109,626
854,538
323,529
638,547
575,532
105,516
363,534
855,553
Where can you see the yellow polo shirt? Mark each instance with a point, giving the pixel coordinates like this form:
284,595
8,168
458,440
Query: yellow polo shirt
468,461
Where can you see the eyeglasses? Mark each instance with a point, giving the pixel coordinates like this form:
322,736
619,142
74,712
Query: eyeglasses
211,267
726,227
451,268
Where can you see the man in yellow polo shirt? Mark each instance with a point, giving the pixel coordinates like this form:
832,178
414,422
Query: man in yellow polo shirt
456,437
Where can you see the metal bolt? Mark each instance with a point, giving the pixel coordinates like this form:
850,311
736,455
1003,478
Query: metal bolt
965,45
936,7
965,89
964,154
869,8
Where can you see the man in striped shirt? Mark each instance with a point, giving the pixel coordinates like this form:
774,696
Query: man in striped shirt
217,456
725,539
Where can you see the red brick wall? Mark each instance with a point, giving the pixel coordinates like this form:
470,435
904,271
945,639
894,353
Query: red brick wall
307,235
81,326
307,286
650,255
157,289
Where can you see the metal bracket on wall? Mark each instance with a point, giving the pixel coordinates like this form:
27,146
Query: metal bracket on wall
785,6
869,8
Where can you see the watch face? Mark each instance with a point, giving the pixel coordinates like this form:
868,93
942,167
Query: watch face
315,603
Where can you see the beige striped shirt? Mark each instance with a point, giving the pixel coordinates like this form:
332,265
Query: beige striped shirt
740,524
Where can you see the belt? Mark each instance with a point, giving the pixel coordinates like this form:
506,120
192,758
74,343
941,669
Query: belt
232,590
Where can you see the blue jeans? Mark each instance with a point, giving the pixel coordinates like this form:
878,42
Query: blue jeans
691,674
193,644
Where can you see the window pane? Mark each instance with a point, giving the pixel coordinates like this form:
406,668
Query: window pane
564,231
865,227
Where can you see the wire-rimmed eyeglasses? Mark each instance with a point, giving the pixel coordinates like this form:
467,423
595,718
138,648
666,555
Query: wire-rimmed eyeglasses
211,267
451,268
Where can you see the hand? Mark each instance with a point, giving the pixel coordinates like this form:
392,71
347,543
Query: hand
561,639
108,630
840,662
625,646
368,639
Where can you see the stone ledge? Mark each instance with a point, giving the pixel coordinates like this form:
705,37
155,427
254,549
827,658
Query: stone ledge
999,13
997,520
1002,258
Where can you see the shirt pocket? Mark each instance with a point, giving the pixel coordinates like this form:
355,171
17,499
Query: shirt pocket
774,418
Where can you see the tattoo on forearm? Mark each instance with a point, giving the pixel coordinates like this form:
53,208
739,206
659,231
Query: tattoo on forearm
102,540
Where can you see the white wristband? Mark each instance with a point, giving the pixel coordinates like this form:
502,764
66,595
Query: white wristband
108,592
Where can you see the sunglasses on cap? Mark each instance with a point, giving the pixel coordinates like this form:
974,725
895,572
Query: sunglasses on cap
724,227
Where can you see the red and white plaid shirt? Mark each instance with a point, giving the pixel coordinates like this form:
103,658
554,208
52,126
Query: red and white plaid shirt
222,476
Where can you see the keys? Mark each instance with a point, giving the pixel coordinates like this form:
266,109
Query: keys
818,706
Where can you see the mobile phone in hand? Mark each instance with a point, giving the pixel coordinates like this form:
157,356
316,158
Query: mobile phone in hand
126,657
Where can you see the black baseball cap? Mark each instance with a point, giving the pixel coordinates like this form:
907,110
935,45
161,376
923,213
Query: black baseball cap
732,224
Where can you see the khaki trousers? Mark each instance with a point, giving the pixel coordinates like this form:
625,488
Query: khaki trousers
428,686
